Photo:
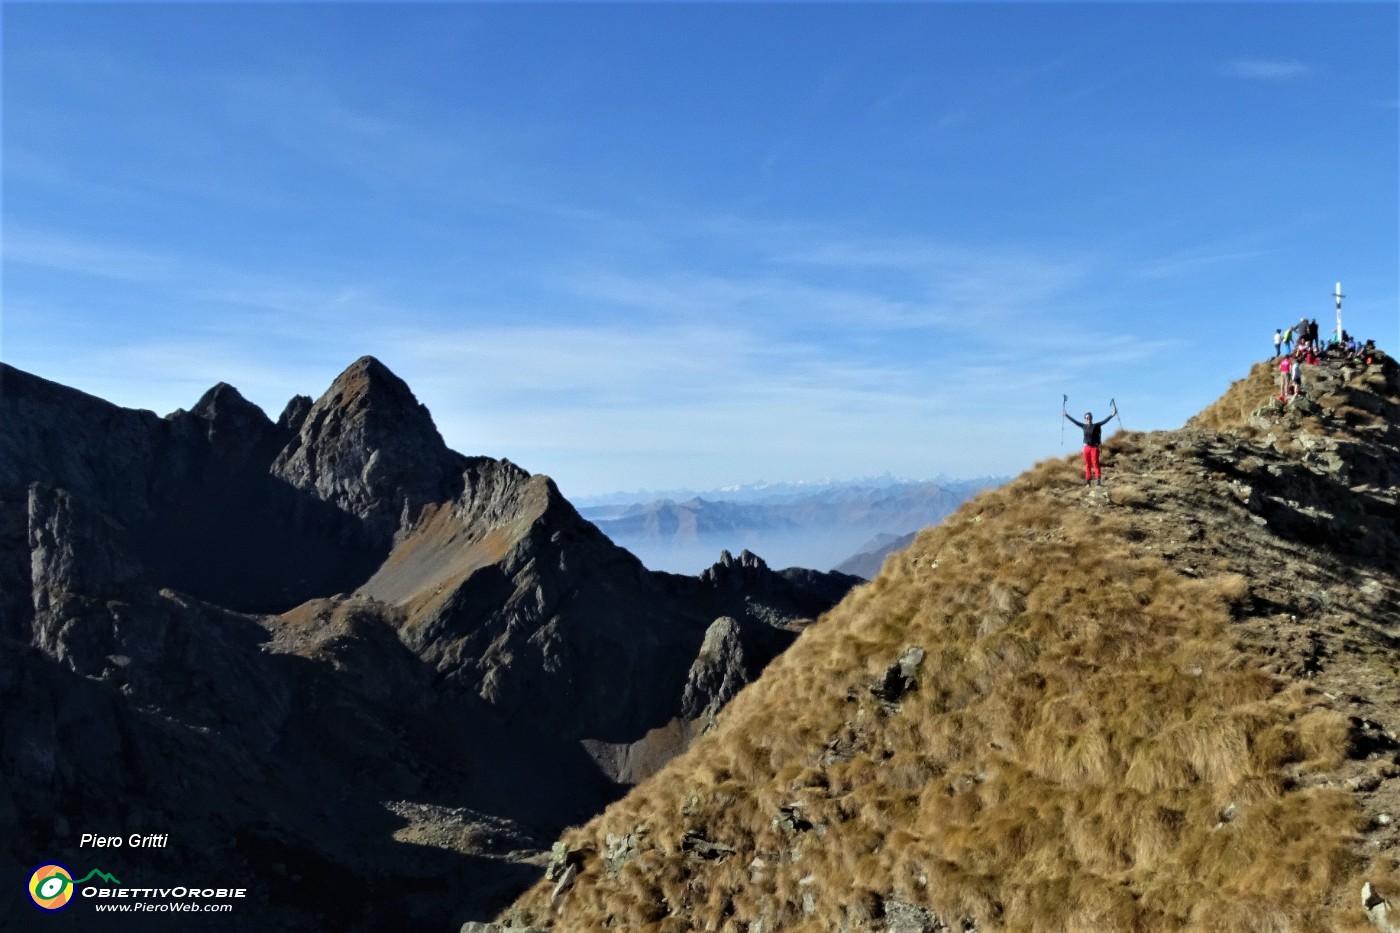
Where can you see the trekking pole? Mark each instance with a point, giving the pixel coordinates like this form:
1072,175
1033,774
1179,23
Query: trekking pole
1114,403
1064,410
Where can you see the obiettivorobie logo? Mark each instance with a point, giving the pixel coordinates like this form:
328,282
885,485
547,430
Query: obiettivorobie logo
51,885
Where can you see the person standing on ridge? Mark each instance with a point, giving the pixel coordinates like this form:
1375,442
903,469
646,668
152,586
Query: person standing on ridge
1093,437
1288,341
1278,342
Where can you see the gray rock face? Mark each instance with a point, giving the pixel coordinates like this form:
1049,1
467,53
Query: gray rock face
719,671
61,436
230,420
73,549
294,415
370,448
77,566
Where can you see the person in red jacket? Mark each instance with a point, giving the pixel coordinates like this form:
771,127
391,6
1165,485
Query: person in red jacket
1093,437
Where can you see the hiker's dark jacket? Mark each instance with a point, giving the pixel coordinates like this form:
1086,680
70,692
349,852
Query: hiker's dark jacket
1093,431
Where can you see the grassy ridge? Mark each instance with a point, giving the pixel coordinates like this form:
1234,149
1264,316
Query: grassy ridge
1087,749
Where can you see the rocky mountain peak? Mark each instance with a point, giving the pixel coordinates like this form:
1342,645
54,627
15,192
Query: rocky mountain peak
231,419
369,447
368,381
294,414
224,400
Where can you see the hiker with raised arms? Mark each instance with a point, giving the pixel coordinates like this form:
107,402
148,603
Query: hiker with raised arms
1093,437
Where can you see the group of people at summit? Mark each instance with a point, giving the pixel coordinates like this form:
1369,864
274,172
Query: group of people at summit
1293,347
1300,344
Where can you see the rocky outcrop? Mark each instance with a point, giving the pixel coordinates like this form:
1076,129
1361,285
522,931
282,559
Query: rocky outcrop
900,677
720,671
730,572
191,496
370,448
78,567
1377,909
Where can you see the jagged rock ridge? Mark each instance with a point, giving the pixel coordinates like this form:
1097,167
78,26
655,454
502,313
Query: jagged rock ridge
325,647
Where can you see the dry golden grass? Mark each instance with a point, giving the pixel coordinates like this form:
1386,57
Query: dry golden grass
1087,750
1231,411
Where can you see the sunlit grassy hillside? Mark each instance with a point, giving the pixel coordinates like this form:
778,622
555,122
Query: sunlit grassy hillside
1112,728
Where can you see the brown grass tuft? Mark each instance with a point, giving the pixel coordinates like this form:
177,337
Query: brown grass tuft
1232,410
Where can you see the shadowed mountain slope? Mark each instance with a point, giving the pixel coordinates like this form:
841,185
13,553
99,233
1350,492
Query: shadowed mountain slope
866,564
1170,703
334,659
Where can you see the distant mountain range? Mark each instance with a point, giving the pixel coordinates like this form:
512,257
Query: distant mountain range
763,491
803,524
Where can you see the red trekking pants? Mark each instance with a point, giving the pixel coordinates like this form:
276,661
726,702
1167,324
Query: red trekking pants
1091,463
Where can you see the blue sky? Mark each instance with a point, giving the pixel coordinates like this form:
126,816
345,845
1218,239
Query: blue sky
686,245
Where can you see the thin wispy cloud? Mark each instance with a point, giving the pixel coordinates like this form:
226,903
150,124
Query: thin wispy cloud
972,291
73,255
310,118
1195,262
180,276
1267,69
761,300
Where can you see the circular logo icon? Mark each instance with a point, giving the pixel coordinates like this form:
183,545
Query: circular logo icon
51,886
